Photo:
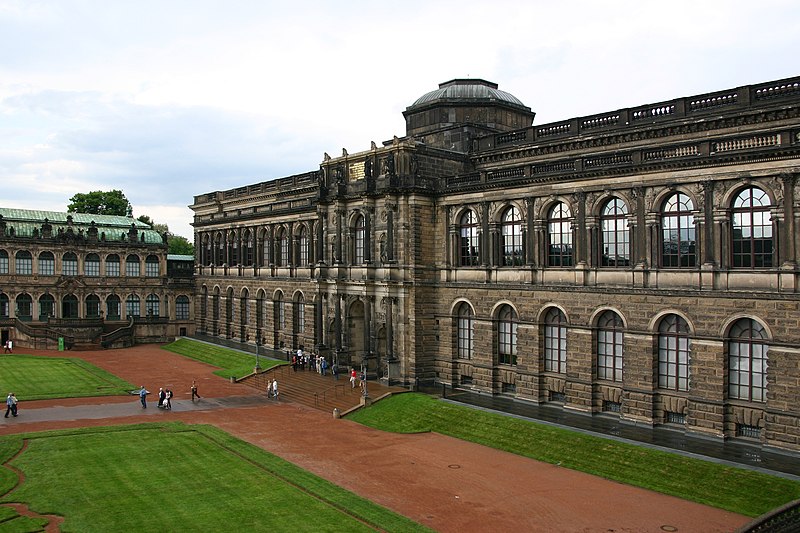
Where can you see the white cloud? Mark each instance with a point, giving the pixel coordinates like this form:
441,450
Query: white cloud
167,100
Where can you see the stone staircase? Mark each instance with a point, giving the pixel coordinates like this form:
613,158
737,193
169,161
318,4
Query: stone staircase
311,389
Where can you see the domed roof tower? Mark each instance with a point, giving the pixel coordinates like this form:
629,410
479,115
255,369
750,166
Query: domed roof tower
462,109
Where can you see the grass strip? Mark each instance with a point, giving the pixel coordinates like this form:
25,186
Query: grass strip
734,489
231,362
43,378
176,477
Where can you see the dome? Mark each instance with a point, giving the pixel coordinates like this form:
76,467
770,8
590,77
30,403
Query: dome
470,90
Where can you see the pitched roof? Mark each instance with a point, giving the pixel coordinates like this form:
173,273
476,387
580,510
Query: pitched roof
25,221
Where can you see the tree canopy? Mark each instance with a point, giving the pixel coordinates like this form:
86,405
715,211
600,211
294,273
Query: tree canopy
115,203
100,203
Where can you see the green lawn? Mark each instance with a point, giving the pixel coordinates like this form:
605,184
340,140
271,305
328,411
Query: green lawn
231,362
735,489
41,378
175,477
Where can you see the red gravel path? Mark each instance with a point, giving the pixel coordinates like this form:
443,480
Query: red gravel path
441,482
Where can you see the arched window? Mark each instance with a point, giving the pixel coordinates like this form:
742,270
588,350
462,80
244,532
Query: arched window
303,242
47,307
559,236
3,262
152,305
219,250
69,264
280,312
511,230
469,250
113,307
673,353
4,305
112,266
609,346
233,249
23,263
91,265
92,306
266,247
507,336
132,266
616,239
152,268
678,239
751,237
182,307
466,331
47,264
555,341
284,248
747,361
69,306
359,238
247,243
260,309
132,306
24,307
299,314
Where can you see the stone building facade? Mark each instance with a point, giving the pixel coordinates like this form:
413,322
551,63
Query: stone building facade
90,280
641,262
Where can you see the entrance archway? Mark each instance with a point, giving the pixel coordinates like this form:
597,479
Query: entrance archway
356,333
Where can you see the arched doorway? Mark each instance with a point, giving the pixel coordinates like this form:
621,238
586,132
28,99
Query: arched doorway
356,335
381,353
69,306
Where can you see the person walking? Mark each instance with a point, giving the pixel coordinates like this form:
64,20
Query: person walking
168,399
275,389
11,404
143,396
161,397
194,390
352,378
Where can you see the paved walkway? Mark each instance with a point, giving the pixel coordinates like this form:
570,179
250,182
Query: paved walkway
441,482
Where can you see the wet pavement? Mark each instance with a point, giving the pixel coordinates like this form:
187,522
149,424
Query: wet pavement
742,454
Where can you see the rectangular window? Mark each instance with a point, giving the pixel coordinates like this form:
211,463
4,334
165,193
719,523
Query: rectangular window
675,418
151,269
182,308
132,307
47,267
24,265
3,264
92,268
112,269
70,268
132,269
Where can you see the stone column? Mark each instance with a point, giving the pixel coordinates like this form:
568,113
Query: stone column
485,254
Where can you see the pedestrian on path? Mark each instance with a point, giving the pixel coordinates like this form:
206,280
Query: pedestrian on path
275,389
143,396
162,396
194,390
8,347
11,404
168,399
352,378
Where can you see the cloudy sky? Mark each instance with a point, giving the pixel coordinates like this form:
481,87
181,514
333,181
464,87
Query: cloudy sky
169,99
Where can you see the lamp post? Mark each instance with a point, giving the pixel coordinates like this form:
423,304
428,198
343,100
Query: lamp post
258,341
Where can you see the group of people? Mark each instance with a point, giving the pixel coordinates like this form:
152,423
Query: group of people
8,346
272,389
314,362
164,396
361,378
11,404
165,399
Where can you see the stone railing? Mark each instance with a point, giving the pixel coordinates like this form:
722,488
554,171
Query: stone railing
749,96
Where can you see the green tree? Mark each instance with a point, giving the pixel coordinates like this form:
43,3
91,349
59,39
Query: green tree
179,245
100,203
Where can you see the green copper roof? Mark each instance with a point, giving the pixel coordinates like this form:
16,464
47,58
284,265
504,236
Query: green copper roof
25,221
